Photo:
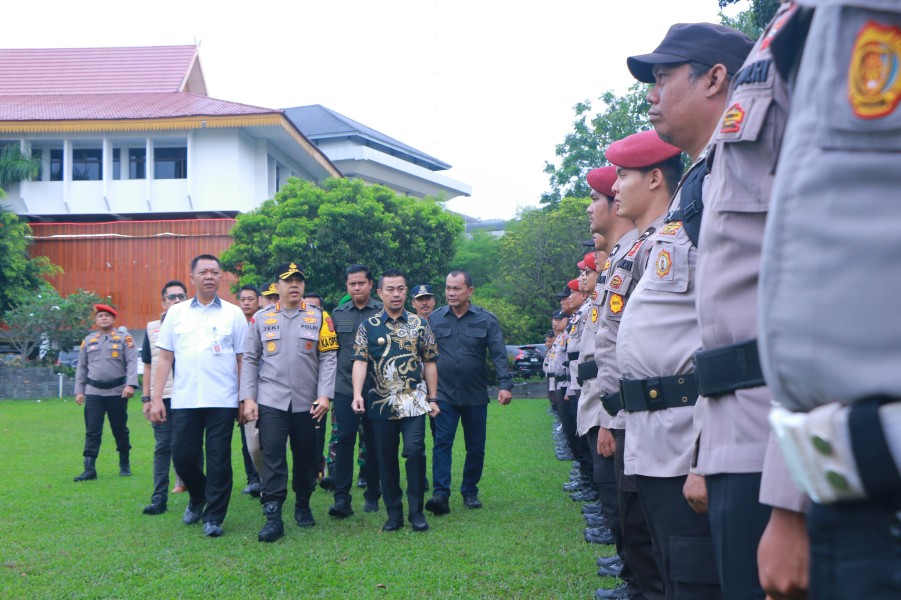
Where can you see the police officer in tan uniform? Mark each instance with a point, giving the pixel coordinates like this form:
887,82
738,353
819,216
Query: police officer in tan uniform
659,333
287,380
578,306
105,379
829,339
731,413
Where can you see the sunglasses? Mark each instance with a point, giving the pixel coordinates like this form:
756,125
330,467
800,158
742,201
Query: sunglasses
177,297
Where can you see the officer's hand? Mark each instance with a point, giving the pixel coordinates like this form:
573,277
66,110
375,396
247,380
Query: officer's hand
79,399
145,410
783,556
358,405
434,411
606,443
157,412
248,411
695,491
128,391
320,408
504,397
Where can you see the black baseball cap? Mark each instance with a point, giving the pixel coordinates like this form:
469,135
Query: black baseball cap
564,294
285,270
422,290
702,42
559,315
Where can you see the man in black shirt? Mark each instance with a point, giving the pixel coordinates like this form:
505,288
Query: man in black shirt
464,332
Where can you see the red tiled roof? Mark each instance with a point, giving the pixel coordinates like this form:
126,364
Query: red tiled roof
119,106
95,70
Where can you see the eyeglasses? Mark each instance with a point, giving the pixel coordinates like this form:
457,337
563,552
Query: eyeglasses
177,297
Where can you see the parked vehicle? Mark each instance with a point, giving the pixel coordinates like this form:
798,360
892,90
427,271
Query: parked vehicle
528,360
68,359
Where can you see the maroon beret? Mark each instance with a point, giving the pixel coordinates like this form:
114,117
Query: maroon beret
106,308
590,261
573,285
640,151
602,180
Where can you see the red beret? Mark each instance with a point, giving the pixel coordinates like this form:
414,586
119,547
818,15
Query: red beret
640,150
590,261
106,308
602,180
573,285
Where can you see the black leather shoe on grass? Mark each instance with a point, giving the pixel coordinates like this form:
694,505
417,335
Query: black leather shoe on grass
472,502
438,505
418,522
340,510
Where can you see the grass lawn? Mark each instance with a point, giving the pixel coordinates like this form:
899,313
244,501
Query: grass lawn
60,539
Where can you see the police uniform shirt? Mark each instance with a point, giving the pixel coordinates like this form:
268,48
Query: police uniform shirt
658,337
733,427
290,358
831,265
590,399
395,350
106,357
347,319
206,341
619,280
574,345
150,356
558,350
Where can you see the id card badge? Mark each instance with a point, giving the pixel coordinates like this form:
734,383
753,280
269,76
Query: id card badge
217,343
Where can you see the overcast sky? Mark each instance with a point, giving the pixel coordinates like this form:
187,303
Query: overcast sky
487,86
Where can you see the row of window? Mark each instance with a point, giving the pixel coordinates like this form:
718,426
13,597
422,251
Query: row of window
87,163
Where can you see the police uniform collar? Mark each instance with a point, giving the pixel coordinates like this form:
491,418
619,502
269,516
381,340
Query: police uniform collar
216,300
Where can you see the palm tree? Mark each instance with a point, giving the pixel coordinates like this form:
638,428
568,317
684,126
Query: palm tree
15,166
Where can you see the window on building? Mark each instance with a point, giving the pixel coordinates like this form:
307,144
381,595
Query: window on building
36,156
117,165
87,164
56,164
170,163
137,163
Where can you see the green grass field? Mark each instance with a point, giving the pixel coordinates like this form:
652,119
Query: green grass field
60,539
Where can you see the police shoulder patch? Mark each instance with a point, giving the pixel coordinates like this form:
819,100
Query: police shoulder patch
874,80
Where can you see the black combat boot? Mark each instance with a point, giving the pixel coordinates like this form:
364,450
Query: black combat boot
89,471
274,528
124,465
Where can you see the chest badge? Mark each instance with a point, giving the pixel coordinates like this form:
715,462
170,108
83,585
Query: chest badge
874,83
270,321
270,347
115,354
616,303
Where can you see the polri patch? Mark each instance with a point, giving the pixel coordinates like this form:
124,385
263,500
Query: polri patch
874,81
616,282
616,303
733,119
671,228
663,264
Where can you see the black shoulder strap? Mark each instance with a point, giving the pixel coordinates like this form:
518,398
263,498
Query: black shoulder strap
691,204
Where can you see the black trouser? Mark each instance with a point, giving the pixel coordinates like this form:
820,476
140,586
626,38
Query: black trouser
568,421
276,427
387,441
348,425
737,520
683,536
95,407
162,454
249,469
579,443
188,429
855,550
639,553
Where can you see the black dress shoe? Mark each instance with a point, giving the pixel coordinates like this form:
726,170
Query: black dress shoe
253,489
418,522
157,506
596,520
592,508
438,505
599,536
613,570
340,510
609,560
586,495
574,486
472,502
620,592
371,506
327,483
304,517
393,524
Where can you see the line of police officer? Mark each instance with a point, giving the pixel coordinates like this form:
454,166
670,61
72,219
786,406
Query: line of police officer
671,399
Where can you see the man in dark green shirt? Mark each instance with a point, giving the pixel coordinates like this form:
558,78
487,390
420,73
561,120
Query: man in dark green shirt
398,349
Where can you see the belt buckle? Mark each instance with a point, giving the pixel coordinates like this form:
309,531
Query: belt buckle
653,393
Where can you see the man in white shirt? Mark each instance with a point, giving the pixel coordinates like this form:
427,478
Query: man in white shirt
205,335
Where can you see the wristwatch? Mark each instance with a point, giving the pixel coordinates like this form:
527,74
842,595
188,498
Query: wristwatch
145,399
435,400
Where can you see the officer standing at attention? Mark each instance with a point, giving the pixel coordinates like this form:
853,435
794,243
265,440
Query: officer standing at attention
173,292
731,413
659,332
399,350
830,344
423,300
465,333
287,379
348,317
105,379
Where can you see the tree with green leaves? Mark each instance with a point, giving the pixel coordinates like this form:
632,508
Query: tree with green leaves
342,222
753,20
47,318
20,274
15,166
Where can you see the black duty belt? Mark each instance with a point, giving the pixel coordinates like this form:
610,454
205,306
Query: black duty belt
613,403
107,385
563,375
587,370
729,368
657,393
572,355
